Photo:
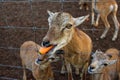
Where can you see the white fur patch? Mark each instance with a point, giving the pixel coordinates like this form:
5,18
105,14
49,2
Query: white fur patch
111,7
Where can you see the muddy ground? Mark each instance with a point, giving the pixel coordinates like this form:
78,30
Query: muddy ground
25,15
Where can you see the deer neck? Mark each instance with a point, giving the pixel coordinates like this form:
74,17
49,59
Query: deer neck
101,75
73,45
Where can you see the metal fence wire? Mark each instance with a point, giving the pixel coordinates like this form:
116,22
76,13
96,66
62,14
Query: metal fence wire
34,27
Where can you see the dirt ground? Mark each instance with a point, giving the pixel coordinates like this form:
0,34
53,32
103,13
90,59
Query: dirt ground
26,14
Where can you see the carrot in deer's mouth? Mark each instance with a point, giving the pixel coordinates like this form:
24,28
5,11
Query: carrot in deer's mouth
44,50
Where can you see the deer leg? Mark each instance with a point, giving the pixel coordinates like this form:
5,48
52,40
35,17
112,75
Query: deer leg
116,26
63,65
63,68
77,72
51,75
51,78
87,7
69,70
84,70
93,15
97,20
107,26
81,4
118,76
24,73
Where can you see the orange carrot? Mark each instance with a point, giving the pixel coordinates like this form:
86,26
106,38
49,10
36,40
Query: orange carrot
44,50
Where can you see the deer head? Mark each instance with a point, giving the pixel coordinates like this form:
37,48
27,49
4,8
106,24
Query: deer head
61,29
98,61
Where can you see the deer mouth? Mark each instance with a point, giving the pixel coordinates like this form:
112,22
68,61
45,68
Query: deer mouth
51,49
47,49
53,46
55,53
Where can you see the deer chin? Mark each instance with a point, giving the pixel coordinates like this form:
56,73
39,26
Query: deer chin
57,46
52,52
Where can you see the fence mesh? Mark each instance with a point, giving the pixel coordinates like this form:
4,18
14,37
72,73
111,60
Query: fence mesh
23,20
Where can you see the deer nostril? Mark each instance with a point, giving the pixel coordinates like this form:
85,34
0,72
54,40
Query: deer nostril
92,67
46,43
52,59
38,61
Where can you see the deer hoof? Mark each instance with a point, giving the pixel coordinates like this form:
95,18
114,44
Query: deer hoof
77,73
87,8
62,72
102,37
95,24
114,38
80,8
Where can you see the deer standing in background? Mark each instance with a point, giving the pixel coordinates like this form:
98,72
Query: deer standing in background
105,66
63,34
103,8
84,3
41,70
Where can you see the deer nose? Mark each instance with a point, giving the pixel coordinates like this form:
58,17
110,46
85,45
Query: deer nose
46,43
92,67
37,61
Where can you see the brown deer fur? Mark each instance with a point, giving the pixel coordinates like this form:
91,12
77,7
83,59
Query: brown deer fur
109,72
78,54
76,44
28,54
104,8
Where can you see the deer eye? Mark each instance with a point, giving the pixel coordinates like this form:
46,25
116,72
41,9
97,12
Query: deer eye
91,57
105,64
68,26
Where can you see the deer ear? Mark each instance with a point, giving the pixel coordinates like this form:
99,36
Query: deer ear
110,56
109,62
50,13
97,51
80,20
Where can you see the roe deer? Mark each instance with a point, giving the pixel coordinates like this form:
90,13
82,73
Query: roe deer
64,34
41,70
84,3
105,66
103,8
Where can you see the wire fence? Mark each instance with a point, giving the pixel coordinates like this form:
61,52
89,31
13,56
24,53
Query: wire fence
33,27
7,78
50,1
